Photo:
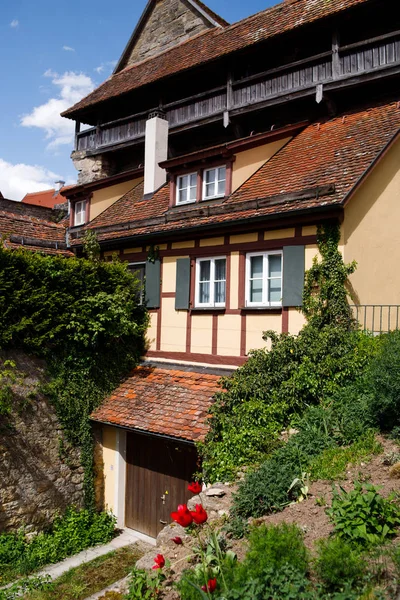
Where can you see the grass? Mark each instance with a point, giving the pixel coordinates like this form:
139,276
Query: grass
333,462
91,577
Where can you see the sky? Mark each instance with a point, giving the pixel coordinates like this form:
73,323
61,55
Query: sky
52,53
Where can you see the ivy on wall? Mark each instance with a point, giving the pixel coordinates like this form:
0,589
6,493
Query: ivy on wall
82,316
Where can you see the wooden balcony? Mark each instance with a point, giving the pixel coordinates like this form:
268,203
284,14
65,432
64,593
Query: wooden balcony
346,65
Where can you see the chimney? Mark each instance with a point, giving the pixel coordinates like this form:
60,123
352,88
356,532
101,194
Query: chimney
59,185
155,151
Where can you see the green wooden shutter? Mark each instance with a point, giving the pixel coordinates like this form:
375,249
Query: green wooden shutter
153,280
182,284
293,275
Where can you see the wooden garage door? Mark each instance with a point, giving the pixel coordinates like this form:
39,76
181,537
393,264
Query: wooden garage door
158,473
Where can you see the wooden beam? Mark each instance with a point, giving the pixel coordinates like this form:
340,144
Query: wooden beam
335,55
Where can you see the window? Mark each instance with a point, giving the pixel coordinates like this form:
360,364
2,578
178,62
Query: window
210,282
214,181
80,213
139,270
264,279
186,188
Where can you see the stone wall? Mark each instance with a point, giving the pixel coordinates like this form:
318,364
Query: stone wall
40,473
170,23
90,168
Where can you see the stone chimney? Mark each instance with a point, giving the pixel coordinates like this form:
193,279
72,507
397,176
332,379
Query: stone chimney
155,151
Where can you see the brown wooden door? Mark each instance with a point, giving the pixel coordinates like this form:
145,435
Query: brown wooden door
157,475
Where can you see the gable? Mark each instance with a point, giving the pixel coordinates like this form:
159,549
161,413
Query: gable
166,23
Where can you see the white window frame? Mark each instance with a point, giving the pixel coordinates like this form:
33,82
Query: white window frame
177,189
82,213
265,278
131,267
204,197
212,304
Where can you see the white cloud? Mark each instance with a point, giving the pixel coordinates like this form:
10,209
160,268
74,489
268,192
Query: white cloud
107,66
17,180
71,87
68,49
14,23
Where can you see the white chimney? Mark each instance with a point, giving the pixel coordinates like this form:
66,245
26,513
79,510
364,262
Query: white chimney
155,151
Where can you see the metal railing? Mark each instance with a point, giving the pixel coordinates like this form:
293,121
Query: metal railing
378,318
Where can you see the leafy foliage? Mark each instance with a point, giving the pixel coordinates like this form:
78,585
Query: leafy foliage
8,376
69,534
364,517
338,565
143,585
23,586
298,371
82,316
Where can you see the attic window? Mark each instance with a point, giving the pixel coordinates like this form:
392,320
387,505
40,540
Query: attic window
186,188
80,213
214,181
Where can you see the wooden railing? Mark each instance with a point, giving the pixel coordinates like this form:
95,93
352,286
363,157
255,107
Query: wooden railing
301,77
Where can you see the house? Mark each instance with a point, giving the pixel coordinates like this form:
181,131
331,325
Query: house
47,198
33,228
210,162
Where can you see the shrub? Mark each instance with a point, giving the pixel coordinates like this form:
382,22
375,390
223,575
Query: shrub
69,534
275,546
362,516
338,565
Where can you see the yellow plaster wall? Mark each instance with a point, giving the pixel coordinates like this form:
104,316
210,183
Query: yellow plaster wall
228,335
185,244
256,325
371,233
169,274
173,327
201,334
105,197
152,331
243,238
277,234
215,241
310,252
249,161
309,230
234,279
296,321
110,462
132,250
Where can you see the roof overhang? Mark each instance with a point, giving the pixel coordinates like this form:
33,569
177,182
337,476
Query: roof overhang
84,189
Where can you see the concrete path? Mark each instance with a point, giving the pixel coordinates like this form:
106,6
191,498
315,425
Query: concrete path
126,538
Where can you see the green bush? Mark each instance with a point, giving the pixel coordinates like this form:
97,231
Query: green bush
275,546
82,316
362,516
76,530
338,565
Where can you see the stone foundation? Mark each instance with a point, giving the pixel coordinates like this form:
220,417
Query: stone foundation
40,474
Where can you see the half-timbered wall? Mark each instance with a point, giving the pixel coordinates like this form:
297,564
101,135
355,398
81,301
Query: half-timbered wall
218,336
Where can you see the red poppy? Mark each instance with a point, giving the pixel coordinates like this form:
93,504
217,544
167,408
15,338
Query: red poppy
210,587
159,562
199,515
195,487
177,540
182,516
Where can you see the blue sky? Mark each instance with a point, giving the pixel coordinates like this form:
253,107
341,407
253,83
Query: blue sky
52,54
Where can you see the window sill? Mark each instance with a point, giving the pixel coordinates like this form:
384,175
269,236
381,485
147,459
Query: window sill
208,309
276,309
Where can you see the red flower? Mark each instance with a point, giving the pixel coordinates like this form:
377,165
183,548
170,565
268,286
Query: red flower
159,562
182,516
199,515
195,487
210,587
177,540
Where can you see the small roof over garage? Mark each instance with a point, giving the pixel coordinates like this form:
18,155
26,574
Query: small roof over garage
163,399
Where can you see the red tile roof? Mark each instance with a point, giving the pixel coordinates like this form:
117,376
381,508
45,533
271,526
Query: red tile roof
163,401
212,44
30,227
47,198
333,153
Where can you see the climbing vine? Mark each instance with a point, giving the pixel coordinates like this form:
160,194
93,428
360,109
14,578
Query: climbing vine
262,397
82,316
